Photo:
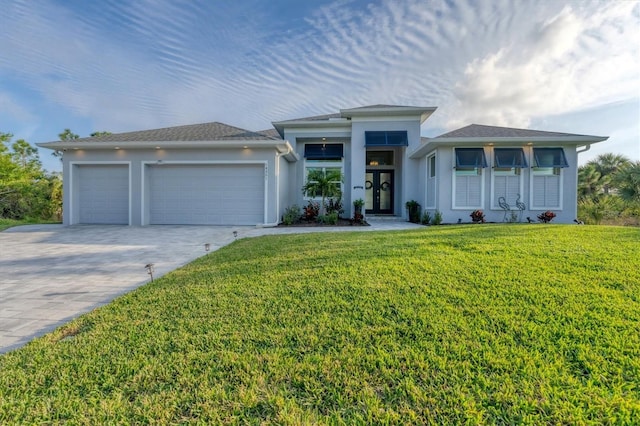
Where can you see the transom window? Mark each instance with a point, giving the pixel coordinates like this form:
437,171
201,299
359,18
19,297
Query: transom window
380,158
508,158
549,158
470,158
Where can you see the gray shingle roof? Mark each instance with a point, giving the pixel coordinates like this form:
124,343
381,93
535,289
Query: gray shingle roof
193,132
481,131
271,133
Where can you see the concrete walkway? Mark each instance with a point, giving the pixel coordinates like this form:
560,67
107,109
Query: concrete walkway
50,274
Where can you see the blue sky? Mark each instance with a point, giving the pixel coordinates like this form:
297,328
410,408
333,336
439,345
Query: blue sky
116,65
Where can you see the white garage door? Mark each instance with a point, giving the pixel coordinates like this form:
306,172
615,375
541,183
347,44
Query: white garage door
229,194
103,194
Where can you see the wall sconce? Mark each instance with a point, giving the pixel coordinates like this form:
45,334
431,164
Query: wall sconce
207,247
373,163
235,234
150,270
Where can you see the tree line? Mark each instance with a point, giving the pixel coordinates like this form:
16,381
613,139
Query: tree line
27,190
609,190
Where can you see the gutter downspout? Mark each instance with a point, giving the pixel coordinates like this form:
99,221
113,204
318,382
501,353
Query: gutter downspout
278,157
587,147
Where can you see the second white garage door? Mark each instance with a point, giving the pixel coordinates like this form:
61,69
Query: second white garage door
220,194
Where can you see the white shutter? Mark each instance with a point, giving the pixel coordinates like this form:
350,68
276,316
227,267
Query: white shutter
468,191
546,192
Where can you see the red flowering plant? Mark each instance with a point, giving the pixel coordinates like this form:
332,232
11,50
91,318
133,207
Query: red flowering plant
477,216
546,217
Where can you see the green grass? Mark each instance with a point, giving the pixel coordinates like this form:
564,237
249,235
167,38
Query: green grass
520,324
8,223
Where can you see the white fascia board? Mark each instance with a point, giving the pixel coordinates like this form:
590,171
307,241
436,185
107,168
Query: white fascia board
539,141
282,146
423,112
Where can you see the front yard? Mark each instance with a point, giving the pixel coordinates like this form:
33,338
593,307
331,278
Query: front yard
476,324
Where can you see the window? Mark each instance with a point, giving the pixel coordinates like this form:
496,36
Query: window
470,158
389,138
546,178
324,159
380,158
431,182
467,178
549,158
323,151
507,158
506,176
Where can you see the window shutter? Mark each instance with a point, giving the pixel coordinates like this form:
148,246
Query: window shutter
546,192
468,191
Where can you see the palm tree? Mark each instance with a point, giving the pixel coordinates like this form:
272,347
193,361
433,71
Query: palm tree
627,180
608,165
589,180
324,184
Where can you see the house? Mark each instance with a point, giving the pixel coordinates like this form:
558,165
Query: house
218,174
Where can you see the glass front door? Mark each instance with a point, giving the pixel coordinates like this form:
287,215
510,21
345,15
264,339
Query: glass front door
379,192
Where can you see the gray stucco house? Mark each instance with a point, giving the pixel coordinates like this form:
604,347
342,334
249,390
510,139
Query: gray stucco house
218,174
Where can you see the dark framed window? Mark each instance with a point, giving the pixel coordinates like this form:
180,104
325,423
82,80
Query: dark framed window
510,158
470,158
386,138
549,158
380,158
323,151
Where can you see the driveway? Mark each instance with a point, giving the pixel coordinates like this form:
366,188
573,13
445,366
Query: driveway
50,274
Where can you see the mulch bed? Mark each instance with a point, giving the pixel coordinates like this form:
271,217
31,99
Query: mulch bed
306,224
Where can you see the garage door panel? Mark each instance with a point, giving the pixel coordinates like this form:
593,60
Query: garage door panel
206,194
103,194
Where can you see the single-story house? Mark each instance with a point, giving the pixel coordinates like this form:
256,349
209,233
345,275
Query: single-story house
217,174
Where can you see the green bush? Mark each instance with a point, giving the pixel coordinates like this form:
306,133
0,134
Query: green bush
329,218
292,215
437,218
426,218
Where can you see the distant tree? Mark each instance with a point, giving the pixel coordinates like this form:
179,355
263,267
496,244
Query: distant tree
98,134
589,181
608,165
627,181
66,135
25,188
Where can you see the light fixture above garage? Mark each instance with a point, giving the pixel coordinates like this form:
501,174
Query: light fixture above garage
117,147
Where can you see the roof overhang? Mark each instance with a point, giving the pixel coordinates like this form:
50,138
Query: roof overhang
577,140
389,111
282,147
304,124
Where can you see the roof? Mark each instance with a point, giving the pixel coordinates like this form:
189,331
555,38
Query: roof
482,131
271,133
477,135
193,132
343,118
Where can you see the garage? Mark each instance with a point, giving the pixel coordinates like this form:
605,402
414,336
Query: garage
103,194
206,194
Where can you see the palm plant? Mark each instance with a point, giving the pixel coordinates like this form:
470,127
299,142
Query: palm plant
324,184
627,181
608,165
589,181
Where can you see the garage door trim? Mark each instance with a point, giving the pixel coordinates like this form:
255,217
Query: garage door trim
144,206
72,185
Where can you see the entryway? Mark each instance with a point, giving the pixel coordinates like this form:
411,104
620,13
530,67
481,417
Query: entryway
379,192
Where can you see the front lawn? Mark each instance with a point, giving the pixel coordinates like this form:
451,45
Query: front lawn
481,324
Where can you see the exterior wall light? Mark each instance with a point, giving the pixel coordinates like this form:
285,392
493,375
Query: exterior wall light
207,247
150,270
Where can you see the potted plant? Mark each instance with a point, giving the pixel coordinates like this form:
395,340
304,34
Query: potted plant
413,208
546,217
477,216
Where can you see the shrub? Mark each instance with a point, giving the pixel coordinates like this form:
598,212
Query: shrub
333,205
477,216
311,211
546,217
437,218
426,218
291,215
329,218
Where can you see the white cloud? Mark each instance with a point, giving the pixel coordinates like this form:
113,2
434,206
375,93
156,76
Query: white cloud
577,59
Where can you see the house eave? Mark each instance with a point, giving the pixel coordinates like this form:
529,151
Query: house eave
395,111
577,140
282,147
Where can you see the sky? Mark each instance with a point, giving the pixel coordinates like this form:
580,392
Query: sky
115,65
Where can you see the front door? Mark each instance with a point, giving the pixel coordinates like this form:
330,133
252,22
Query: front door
379,192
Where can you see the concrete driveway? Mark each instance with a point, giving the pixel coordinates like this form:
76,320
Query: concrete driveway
50,274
